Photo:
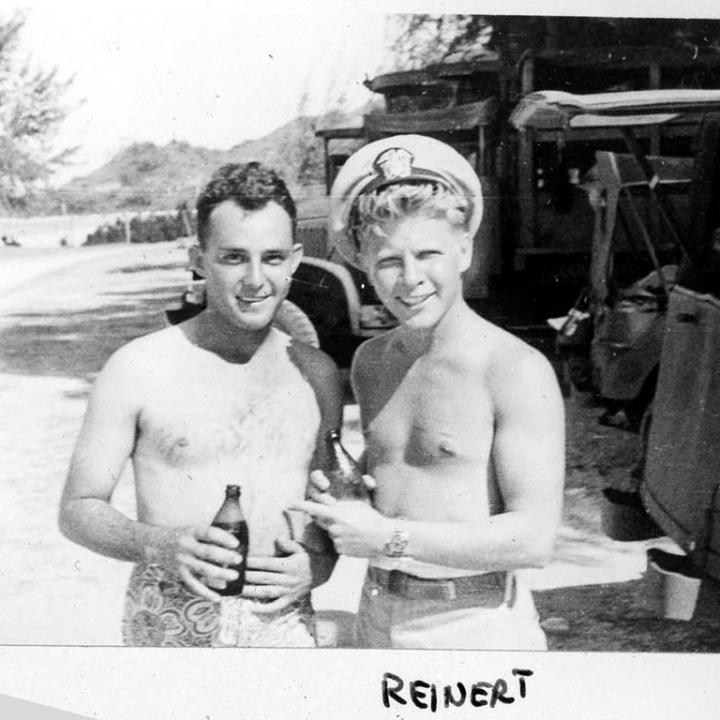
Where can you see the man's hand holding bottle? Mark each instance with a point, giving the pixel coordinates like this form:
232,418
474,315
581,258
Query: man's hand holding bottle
200,555
319,488
354,526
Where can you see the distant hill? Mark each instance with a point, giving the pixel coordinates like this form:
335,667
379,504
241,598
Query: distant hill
145,176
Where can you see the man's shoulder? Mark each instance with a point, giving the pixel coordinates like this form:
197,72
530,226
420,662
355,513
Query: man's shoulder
372,349
515,368
151,342
315,364
367,362
142,352
321,373
495,352
503,344
132,369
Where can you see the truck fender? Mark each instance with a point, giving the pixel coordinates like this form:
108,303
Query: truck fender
346,281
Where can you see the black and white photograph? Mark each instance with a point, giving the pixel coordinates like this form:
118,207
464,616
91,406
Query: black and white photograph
346,336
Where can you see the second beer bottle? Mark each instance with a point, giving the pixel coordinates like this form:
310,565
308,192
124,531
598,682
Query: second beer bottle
230,517
346,480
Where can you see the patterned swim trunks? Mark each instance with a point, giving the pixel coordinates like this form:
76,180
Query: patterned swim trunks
161,612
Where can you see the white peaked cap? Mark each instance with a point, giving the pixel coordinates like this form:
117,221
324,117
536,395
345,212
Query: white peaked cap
397,159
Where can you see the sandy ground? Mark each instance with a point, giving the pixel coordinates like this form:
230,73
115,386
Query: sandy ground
58,325
18,265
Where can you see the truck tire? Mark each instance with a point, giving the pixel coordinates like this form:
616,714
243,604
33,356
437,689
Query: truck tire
290,319
293,321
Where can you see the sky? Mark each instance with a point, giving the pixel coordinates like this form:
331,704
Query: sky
210,73
217,72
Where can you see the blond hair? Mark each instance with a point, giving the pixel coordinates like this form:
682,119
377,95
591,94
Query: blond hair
374,211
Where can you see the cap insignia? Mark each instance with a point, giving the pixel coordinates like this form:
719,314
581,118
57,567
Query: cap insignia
394,163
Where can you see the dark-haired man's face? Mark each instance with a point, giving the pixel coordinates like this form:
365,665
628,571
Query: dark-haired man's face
248,260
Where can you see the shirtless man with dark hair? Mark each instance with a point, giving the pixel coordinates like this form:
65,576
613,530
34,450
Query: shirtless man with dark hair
463,422
223,398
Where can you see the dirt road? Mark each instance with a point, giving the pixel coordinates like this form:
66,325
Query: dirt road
19,265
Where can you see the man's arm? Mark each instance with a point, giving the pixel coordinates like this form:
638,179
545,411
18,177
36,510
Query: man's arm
528,461
319,483
323,376
105,444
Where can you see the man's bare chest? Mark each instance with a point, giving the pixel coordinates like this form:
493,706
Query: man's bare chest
430,417
201,419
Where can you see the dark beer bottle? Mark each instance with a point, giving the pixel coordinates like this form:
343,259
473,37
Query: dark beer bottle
346,480
230,517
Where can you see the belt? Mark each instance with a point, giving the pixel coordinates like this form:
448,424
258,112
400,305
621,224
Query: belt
488,589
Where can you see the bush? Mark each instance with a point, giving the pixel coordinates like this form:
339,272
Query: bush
143,229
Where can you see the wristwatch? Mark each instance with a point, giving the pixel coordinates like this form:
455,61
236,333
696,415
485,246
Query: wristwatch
396,544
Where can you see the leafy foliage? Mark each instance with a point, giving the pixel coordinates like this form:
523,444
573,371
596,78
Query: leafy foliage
31,111
421,39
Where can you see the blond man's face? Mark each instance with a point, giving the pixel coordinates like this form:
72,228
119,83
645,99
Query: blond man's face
416,266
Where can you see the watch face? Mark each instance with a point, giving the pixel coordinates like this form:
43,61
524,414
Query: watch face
395,546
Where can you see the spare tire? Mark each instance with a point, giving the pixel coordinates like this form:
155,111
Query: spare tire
293,321
290,319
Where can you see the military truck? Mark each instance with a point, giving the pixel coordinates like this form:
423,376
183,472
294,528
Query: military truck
533,249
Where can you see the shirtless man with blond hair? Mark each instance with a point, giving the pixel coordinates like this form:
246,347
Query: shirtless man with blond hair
463,422
223,398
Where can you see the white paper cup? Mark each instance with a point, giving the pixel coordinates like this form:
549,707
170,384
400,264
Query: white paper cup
678,593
